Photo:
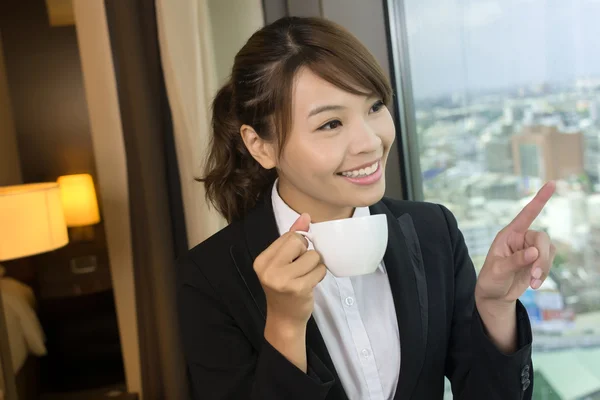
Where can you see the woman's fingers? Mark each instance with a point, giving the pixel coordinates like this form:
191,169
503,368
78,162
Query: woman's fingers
271,252
541,266
517,261
304,264
311,279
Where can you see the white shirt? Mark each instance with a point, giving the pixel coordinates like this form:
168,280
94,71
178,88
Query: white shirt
357,319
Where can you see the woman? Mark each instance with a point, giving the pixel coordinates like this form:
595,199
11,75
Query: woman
302,133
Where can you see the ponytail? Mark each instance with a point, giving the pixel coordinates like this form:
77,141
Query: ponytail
233,179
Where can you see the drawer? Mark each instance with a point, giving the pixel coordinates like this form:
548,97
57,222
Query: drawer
73,285
71,262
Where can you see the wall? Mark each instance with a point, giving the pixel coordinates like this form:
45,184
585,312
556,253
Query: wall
10,167
232,23
107,136
54,132
46,87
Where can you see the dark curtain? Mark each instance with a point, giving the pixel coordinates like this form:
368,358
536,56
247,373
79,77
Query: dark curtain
157,216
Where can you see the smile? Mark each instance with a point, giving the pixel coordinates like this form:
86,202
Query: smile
362,172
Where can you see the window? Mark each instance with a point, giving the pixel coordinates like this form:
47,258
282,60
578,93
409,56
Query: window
495,98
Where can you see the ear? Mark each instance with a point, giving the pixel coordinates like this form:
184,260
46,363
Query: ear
262,151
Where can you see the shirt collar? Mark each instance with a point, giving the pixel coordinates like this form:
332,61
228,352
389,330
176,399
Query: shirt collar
285,216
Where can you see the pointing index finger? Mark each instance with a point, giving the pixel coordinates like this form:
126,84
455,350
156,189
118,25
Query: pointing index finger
530,212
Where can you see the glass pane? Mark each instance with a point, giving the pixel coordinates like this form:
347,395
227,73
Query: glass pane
507,96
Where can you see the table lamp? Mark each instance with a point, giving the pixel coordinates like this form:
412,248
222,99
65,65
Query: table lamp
80,205
32,221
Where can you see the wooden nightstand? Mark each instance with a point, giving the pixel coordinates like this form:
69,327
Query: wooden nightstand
84,348
80,268
108,393
78,314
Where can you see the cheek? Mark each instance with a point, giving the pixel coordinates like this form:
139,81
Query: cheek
387,130
318,158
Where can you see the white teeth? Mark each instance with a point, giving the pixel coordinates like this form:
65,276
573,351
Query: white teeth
362,172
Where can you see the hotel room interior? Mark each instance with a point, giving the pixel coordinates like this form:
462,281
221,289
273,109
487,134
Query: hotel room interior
89,177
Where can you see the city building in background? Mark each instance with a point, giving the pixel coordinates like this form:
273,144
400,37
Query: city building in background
546,153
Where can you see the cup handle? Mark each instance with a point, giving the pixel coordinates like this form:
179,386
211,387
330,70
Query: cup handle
307,235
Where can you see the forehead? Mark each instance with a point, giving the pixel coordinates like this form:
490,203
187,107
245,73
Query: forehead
310,90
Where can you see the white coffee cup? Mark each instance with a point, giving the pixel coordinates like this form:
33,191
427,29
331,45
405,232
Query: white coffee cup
350,246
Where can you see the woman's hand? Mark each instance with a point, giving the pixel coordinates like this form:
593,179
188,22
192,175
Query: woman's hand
518,258
288,273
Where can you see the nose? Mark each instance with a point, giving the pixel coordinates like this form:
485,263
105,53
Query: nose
364,139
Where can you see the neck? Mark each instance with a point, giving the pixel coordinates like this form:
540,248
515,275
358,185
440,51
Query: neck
318,210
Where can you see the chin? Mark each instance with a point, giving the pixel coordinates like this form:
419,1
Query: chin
371,196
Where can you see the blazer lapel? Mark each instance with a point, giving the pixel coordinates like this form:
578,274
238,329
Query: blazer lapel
406,272
315,342
260,230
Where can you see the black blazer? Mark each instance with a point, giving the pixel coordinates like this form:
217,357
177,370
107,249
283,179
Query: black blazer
222,315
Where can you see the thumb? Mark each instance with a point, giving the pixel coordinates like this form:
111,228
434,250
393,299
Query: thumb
301,224
522,258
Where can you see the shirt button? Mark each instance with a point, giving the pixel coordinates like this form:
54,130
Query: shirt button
349,301
366,353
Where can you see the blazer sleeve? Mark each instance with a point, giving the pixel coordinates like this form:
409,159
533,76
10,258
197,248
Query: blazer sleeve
221,362
476,368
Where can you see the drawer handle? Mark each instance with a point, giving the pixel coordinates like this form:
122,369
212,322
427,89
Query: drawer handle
84,265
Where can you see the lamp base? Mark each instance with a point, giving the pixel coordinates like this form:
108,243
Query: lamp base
82,233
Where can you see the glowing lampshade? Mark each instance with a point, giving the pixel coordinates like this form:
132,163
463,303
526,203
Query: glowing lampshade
31,220
79,200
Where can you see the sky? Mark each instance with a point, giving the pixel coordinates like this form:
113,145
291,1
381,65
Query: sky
472,45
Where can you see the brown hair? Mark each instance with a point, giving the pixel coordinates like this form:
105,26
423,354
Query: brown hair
259,94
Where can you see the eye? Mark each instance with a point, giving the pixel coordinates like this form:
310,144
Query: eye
331,125
377,106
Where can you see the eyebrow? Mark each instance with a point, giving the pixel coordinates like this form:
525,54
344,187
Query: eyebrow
318,110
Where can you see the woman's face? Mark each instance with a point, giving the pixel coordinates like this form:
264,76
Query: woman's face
336,152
